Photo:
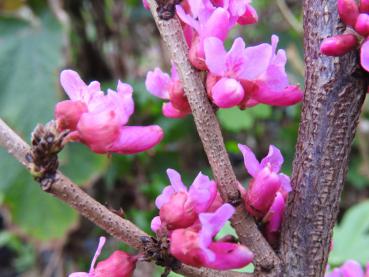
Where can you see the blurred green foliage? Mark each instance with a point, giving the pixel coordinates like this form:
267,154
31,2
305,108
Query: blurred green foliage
109,40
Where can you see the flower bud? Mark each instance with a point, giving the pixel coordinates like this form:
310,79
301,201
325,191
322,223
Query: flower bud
179,212
362,24
364,6
338,45
348,11
119,264
227,93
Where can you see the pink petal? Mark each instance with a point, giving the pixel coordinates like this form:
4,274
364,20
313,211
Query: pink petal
68,113
176,181
79,274
229,256
99,130
285,184
286,97
364,55
227,93
119,264
274,159
102,241
171,112
124,92
72,84
186,18
202,192
146,4
215,55
252,165
156,224
257,60
135,139
236,60
274,219
217,25
352,268
158,83
164,197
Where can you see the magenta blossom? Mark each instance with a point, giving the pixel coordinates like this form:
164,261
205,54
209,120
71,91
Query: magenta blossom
169,88
241,11
99,120
198,248
266,195
350,268
119,264
207,22
248,76
179,207
356,17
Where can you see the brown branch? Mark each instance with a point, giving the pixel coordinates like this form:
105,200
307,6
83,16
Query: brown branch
212,140
335,91
65,190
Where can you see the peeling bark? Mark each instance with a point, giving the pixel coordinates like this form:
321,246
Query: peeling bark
335,89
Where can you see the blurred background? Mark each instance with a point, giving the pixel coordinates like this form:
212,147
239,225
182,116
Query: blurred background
107,40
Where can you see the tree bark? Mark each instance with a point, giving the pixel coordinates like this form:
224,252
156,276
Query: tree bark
335,89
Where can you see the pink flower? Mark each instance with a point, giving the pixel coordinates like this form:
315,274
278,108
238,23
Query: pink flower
240,10
98,120
169,88
179,207
248,76
207,21
119,264
266,181
199,248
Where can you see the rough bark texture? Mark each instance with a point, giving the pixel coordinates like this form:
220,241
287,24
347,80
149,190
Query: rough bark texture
67,191
335,91
212,140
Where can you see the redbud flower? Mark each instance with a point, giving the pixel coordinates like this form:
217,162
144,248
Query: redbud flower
348,11
241,11
169,88
258,71
338,45
119,264
199,248
364,6
98,120
179,207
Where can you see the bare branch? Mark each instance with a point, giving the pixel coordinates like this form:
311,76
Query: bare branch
212,140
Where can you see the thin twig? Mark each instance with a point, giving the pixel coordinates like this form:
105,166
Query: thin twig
289,16
212,140
67,191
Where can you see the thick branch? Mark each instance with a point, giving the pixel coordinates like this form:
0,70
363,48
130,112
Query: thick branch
335,91
212,139
65,190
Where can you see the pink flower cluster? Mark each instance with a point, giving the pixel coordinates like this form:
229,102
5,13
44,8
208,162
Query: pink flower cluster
349,269
357,17
119,264
192,218
243,76
265,197
99,120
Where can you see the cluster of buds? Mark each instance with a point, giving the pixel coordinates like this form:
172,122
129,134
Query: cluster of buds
350,268
119,264
356,17
191,218
99,120
243,76
266,196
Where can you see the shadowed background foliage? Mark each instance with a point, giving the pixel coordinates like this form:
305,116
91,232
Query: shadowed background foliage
107,40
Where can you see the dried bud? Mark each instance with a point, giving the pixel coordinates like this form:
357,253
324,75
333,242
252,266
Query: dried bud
338,45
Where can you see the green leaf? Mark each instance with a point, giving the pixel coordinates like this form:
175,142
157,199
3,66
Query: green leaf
351,237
